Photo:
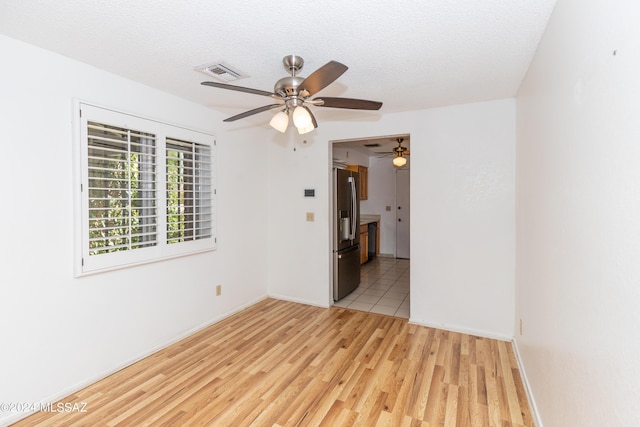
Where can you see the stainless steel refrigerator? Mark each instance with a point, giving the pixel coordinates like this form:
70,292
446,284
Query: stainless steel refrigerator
346,232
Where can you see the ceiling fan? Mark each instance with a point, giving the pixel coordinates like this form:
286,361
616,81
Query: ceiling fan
398,153
292,95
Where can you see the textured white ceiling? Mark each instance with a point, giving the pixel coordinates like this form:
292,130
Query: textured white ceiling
409,54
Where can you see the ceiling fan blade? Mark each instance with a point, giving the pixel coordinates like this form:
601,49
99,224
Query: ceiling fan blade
241,89
354,104
252,112
322,77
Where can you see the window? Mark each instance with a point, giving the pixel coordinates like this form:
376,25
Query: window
147,190
121,189
189,191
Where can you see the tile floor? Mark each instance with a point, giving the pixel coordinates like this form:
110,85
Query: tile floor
384,288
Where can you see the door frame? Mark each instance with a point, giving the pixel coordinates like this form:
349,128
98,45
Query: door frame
399,249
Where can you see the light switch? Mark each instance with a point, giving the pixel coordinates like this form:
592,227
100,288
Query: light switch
310,217
388,208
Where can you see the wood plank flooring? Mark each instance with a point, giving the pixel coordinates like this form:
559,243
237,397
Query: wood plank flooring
279,363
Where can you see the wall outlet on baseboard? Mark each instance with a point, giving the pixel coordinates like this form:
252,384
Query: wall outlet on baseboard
218,290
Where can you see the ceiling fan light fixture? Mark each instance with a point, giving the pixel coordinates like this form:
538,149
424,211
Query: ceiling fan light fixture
280,121
306,129
399,161
301,118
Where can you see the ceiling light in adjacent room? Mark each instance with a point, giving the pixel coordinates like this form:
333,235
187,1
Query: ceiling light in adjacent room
399,161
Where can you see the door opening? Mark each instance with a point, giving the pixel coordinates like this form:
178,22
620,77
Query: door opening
385,276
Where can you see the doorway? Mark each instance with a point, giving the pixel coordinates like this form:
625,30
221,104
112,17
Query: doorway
384,286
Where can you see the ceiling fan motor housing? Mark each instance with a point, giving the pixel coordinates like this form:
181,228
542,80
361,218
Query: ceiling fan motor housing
287,86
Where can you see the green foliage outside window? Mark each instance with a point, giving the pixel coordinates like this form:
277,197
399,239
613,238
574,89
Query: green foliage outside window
175,197
121,191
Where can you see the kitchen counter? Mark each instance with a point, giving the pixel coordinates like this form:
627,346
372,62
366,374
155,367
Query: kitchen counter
368,218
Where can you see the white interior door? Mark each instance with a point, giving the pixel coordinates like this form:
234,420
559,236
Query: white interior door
402,214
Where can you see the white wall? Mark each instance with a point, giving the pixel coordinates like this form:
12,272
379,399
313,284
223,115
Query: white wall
462,213
578,216
462,217
58,332
299,251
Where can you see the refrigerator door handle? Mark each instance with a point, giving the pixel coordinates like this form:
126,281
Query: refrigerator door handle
354,207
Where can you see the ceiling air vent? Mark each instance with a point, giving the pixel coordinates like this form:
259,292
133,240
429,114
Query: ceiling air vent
374,145
221,72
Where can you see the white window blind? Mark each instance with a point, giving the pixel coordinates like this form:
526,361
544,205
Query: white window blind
144,196
189,191
121,190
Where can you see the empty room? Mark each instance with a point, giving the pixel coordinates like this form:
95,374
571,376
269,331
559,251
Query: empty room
320,213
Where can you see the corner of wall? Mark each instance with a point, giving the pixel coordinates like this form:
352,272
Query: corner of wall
527,386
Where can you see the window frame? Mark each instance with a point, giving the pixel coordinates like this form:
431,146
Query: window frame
85,263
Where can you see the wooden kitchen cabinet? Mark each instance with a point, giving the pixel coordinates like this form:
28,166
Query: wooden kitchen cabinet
364,243
363,171
364,182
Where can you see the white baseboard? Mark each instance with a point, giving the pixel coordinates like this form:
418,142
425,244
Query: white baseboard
298,300
527,386
386,255
57,397
475,332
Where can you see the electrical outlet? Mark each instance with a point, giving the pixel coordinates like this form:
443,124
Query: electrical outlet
218,290
388,208
310,217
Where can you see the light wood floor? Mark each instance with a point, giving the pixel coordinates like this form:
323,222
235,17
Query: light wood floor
286,364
